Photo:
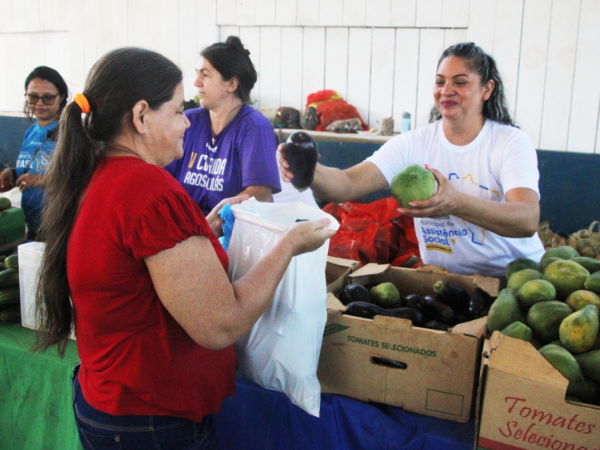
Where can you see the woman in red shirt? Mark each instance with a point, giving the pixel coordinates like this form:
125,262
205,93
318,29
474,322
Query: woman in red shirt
154,312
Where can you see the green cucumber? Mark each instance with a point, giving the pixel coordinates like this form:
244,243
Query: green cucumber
12,261
9,296
9,278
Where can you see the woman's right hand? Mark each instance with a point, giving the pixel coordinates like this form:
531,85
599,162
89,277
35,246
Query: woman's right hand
6,178
284,167
305,237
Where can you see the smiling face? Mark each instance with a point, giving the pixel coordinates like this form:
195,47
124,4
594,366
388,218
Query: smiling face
458,92
166,127
212,89
45,114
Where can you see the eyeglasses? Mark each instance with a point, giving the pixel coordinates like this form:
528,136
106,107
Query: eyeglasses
47,99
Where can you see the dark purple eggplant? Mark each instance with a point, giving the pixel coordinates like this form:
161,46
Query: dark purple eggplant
479,303
437,325
415,301
367,310
452,295
301,153
437,310
414,315
354,293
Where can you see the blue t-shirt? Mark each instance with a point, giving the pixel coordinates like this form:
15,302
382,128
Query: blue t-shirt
243,154
32,198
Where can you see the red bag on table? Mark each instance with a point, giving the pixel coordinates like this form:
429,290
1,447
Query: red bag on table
374,233
331,107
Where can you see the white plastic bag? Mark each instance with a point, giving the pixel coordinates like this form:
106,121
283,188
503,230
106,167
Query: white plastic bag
281,352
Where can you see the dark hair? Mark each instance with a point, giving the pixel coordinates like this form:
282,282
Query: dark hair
114,85
51,75
482,64
231,59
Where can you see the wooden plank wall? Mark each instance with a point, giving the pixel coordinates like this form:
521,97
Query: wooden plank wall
379,55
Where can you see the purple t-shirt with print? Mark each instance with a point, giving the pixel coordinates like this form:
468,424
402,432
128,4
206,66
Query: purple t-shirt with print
243,154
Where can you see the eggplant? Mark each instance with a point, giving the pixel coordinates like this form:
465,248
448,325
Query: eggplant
369,311
354,293
437,310
437,325
300,152
414,315
413,301
479,303
452,295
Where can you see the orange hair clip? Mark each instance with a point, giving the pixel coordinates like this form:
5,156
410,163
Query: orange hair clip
82,102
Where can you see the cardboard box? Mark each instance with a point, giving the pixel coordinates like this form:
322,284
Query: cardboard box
337,272
523,403
438,369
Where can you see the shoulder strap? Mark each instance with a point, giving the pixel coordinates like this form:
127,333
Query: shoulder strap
37,150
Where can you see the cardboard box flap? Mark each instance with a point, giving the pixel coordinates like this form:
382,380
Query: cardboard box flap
431,268
475,328
488,284
337,271
350,263
334,305
522,359
370,269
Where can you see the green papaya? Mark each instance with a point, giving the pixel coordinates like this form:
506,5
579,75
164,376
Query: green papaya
590,391
412,183
566,364
566,276
535,291
385,295
578,331
592,265
544,263
520,264
590,364
518,330
521,277
564,252
593,283
544,319
578,299
504,311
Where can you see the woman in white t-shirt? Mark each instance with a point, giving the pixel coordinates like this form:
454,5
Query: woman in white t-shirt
486,211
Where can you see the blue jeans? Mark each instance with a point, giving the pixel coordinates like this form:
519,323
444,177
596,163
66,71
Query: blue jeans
102,431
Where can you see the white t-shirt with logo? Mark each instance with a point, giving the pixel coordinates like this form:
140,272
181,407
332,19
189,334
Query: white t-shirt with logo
501,158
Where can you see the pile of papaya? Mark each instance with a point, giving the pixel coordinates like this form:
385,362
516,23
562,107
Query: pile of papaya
554,304
448,306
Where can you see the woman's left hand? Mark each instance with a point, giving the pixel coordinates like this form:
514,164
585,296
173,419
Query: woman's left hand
445,201
214,219
29,180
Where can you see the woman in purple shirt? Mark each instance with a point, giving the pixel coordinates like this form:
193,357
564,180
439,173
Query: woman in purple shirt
229,148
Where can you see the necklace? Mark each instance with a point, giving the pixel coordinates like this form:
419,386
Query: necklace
232,113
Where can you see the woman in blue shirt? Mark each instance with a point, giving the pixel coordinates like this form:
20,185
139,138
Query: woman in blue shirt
46,95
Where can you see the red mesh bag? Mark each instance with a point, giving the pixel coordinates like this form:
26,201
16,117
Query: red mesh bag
374,232
331,107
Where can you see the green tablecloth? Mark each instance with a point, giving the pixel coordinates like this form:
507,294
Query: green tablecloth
35,394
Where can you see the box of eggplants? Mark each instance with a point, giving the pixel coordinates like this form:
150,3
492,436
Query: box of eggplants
407,337
447,305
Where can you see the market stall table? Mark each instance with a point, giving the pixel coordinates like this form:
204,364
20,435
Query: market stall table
36,412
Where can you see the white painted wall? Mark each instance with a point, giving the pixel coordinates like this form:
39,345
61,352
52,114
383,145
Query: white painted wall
379,55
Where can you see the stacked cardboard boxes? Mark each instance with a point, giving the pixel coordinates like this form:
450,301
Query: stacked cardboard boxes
387,360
